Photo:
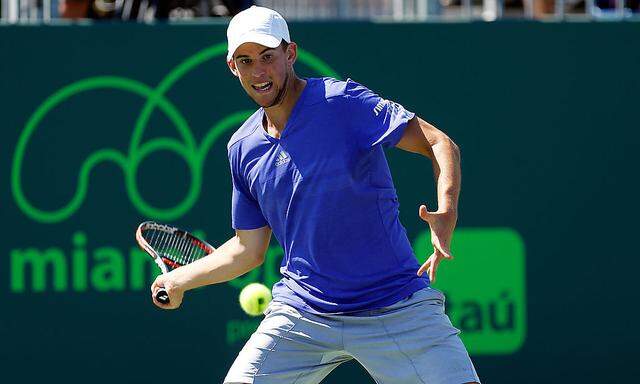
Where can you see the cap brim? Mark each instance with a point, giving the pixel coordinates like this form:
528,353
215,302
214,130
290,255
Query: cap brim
254,37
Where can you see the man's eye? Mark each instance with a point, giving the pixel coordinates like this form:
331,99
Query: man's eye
267,57
245,61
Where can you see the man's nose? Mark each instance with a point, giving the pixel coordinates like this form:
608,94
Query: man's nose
258,70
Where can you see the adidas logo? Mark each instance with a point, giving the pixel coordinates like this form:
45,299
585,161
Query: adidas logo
283,158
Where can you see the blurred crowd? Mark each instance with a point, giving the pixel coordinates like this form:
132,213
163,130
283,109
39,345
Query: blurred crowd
409,10
547,7
146,10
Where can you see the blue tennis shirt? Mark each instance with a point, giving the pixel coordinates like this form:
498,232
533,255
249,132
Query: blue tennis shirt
325,190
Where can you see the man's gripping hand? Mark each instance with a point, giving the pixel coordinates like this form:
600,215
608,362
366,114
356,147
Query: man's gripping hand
173,290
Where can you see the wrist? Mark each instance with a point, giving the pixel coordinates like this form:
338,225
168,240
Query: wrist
452,211
178,280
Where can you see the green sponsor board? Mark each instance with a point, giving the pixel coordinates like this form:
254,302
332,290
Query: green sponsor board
485,287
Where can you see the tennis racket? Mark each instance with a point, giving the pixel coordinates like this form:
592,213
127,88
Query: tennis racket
170,248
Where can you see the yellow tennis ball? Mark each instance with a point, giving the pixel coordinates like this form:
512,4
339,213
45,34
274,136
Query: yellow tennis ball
254,299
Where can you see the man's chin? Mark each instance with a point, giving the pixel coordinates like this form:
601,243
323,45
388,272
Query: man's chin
262,102
269,100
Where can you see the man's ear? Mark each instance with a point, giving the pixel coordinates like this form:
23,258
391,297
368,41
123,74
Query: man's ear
292,53
232,67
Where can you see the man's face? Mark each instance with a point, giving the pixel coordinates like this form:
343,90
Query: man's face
263,71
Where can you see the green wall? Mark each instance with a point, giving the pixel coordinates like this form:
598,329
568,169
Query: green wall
105,126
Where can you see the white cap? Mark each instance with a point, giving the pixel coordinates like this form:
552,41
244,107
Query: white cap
256,25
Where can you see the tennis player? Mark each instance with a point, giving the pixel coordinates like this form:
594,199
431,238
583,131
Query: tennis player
309,165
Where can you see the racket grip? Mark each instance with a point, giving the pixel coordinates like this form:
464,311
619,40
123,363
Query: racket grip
162,296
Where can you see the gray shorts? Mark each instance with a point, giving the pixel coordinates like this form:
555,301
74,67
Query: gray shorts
411,341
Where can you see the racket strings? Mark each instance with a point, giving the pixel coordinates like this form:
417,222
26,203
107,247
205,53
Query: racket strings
177,247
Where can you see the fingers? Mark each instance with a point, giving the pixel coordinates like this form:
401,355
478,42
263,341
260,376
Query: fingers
154,293
424,267
437,230
434,268
157,283
446,253
441,225
424,213
174,297
175,300
431,265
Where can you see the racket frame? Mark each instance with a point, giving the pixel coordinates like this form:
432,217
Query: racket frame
152,225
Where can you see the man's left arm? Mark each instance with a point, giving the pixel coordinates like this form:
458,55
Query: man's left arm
425,139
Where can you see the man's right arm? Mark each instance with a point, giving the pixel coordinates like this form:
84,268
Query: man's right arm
237,256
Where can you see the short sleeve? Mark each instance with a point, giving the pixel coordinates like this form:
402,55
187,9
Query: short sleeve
245,211
376,120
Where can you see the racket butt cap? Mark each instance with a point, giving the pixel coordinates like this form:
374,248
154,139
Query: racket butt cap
162,297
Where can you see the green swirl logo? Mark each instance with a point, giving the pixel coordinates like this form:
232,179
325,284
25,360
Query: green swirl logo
193,153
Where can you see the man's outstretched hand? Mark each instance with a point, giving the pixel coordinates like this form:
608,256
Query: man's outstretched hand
442,225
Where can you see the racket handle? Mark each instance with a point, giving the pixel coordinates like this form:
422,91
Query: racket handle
162,296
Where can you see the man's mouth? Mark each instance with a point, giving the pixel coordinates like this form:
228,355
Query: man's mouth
263,87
